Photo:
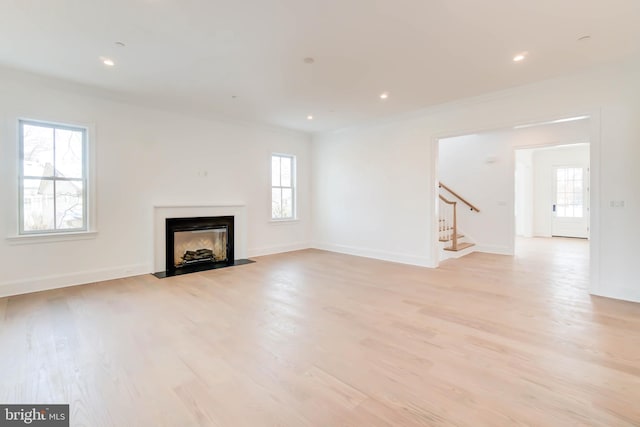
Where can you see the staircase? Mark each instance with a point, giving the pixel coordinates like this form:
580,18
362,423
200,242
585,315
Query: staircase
453,243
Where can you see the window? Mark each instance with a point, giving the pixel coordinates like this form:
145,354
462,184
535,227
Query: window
283,186
569,192
53,178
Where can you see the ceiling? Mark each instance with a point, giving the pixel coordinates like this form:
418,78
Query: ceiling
243,59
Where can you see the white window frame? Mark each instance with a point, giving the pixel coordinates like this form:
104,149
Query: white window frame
294,210
86,193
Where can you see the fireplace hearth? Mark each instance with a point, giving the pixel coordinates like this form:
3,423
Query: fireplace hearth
198,244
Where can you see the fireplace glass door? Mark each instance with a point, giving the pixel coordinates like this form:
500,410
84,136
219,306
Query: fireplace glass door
200,246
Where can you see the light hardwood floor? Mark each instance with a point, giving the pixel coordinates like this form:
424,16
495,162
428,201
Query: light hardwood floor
314,338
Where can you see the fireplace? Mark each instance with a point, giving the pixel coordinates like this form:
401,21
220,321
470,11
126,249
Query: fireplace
199,243
189,239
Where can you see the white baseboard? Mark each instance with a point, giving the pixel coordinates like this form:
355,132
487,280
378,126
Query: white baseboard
46,283
627,294
270,250
541,234
494,249
376,254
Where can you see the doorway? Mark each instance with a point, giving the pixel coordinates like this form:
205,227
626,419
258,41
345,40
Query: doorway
552,191
500,149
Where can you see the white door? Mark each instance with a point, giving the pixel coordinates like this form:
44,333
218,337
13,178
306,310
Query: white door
571,204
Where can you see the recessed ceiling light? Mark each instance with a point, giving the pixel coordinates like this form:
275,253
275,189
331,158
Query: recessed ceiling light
309,60
520,57
108,62
309,117
384,95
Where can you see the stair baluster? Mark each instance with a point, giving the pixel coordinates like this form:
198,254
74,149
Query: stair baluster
448,222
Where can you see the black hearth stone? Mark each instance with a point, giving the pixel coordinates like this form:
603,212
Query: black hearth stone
200,267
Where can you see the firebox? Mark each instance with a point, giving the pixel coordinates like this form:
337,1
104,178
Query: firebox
200,243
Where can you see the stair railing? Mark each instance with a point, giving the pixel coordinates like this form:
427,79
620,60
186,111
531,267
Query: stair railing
457,196
448,222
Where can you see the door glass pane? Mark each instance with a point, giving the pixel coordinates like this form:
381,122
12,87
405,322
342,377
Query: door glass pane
569,211
569,192
37,205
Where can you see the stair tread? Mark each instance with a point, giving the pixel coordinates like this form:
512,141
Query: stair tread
461,246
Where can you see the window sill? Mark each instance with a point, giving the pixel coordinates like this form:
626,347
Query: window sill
284,221
30,239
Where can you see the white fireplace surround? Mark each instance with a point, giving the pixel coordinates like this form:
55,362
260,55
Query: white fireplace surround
162,212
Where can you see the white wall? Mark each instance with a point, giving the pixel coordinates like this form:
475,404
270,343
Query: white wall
143,157
370,194
374,186
524,193
543,162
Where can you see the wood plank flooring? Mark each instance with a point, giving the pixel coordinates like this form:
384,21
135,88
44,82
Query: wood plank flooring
314,338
